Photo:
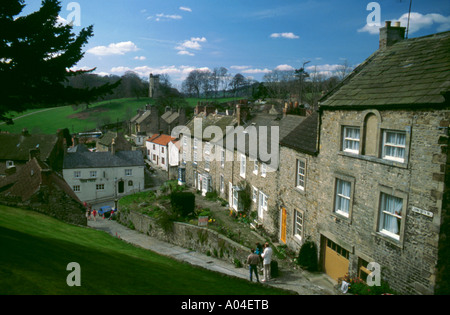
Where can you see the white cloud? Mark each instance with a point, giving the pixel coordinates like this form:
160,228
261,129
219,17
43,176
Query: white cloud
417,22
186,9
185,52
191,44
289,35
256,71
284,68
140,58
164,17
177,73
114,49
240,68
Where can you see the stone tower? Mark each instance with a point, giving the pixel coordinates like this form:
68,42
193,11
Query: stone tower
154,86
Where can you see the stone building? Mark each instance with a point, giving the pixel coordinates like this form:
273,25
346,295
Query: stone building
377,190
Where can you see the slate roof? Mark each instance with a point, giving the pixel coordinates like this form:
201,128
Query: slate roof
286,125
212,120
103,159
29,179
413,72
17,147
304,138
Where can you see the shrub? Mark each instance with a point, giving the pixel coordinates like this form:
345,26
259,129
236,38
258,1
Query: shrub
307,257
274,269
211,196
183,203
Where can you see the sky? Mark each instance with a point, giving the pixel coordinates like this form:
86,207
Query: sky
251,37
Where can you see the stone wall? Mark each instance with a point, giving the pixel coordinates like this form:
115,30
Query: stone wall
188,236
408,263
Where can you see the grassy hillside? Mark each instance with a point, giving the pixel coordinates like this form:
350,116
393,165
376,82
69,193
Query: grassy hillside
48,121
36,249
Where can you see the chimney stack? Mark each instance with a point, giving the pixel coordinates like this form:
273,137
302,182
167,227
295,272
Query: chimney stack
389,35
113,146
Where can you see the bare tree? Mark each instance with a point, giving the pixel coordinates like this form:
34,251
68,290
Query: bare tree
343,70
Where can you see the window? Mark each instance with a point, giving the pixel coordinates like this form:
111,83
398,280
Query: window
77,174
9,164
342,201
254,194
301,173
130,183
162,149
154,147
100,187
351,139
243,165
162,161
394,144
195,156
235,199
255,168
128,172
298,224
390,215
338,249
222,183
76,188
222,158
93,174
263,169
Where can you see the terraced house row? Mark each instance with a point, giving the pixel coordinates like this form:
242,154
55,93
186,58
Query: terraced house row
365,176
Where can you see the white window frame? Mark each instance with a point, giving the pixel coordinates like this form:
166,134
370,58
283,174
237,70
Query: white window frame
222,158
100,187
128,172
263,169
93,174
393,145
243,165
346,139
341,195
222,183
77,174
255,168
298,224
301,174
9,164
76,188
383,212
254,194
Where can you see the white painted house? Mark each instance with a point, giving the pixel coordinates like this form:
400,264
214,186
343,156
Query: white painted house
95,176
162,151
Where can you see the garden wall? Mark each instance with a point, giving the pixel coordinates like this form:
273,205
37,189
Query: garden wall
188,236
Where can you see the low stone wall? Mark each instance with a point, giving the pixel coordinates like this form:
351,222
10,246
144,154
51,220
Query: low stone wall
188,236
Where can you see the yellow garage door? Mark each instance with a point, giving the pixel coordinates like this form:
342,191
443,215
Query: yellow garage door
336,260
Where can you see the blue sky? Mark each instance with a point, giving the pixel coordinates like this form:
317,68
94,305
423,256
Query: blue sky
251,37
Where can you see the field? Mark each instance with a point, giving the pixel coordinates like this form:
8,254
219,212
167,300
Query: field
48,121
36,249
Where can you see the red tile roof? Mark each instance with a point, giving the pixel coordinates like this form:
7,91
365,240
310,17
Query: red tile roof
160,139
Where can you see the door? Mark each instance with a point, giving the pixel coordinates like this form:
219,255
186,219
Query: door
121,187
336,260
283,224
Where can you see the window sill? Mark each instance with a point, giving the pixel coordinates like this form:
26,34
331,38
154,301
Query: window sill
300,190
374,159
388,239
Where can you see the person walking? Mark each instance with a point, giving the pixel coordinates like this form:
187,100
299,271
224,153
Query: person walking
253,260
267,259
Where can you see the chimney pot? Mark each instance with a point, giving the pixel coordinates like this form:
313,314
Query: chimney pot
390,35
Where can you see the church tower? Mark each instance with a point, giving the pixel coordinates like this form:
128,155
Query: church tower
154,86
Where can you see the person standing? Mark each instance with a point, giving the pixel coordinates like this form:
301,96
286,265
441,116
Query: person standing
94,214
267,259
253,260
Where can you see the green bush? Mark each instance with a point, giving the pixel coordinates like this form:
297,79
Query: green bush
183,203
307,257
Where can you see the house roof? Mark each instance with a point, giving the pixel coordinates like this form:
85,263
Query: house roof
103,159
161,139
220,121
27,181
413,72
304,136
285,125
16,147
107,138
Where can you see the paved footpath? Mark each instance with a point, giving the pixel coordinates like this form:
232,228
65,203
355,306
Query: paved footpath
302,282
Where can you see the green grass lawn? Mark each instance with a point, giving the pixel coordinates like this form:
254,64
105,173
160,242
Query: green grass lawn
81,119
36,249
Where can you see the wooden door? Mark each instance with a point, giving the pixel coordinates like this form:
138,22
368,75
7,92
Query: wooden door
283,224
336,260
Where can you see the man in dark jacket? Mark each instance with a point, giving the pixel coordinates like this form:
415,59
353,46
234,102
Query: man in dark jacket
253,260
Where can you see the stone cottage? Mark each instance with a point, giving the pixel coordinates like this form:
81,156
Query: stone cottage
382,166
